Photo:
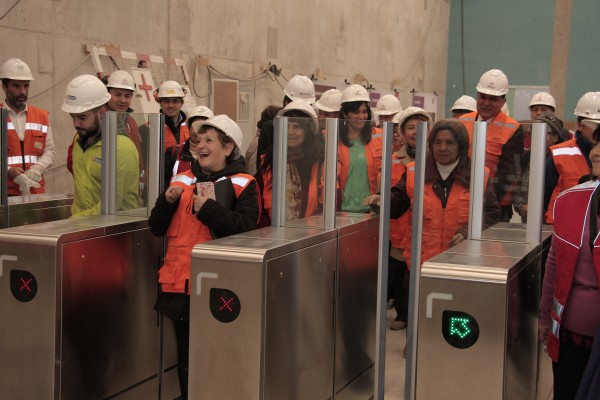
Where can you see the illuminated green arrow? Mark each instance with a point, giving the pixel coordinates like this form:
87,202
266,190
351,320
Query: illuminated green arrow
459,327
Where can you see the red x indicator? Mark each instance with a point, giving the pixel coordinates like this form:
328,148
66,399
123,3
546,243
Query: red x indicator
23,285
224,305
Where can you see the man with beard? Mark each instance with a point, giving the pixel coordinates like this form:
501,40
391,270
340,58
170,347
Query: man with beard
86,101
30,144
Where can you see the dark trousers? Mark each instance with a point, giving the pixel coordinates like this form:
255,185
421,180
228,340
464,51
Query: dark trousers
182,335
568,370
399,275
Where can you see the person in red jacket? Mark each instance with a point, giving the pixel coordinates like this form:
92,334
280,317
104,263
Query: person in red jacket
187,215
570,303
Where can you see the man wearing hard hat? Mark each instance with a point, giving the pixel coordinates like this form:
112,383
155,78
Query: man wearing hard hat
170,96
463,105
570,159
30,144
540,103
504,139
86,100
387,106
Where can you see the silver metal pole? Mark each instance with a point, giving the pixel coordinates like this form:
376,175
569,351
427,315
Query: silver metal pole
383,258
4,158
415,263
155,164
477,180
535,199
109,164
329,201
278,171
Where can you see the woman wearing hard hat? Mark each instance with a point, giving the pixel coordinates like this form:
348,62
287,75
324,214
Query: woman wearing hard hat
216,198
359,151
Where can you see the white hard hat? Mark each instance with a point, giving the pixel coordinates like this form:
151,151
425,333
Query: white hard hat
170,89
493,82
464,103
15,68
403,115
330,101
355,93
202,112
388,105
225,124
300,87
589,106
542,99
303,107
84,93
121,80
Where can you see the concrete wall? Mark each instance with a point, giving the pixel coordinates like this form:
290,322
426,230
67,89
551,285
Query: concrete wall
395,45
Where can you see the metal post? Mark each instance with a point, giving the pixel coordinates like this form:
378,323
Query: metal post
109,164
329,202
535,200
278,170
383,258
155,164
477,180
4,159
415,263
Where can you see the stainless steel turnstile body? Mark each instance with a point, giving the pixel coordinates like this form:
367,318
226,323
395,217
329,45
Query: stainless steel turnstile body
269,321
76,301
37,208
478,313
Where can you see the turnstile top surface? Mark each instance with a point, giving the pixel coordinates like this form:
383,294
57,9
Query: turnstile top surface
37,201
508,232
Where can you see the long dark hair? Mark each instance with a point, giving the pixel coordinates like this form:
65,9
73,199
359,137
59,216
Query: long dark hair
365,133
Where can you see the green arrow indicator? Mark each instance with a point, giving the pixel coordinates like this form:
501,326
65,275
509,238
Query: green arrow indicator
459,327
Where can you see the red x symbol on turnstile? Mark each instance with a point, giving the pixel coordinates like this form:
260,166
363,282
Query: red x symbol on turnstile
226,304
25,284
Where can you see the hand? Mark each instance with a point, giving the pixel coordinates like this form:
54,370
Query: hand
373,199
173,193
199,201
35,172
25,183
13,172
456,239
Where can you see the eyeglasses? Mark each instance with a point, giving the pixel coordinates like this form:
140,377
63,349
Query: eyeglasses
174,100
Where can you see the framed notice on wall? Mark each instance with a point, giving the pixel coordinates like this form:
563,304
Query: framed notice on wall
224,97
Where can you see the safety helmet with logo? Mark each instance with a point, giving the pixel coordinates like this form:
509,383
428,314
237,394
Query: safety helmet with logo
16,69
542,99
304,108
225,124
169,89
200,112
405,115
84,93
330,101
464,103
493,82
121,80
355,93
589,106
300,87
388,105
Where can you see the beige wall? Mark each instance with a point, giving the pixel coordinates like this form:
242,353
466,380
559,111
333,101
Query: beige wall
394,44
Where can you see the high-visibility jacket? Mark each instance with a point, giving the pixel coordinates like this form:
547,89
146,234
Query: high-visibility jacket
186,231
398,226
571,165
34,143
373,157
498,132
169,138
439,224
572,207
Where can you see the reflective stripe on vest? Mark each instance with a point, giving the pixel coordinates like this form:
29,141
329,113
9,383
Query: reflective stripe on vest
19,159
567,151
555,327
186,180
175,168
557,307
240,181
31,126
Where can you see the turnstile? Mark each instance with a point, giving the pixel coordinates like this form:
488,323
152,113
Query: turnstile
37,208
478,313
275,316
76,301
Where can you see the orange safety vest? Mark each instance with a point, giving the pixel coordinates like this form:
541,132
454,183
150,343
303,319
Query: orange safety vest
34,143
186,231
312,200
572,207
398,226
498,133
169,137
439,224
373,156
571,165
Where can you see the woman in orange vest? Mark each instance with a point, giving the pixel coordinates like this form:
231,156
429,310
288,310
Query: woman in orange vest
570,303
216,198
359,151
305,155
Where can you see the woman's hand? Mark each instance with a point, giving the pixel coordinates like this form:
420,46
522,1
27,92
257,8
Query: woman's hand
173,193
456,239
373,199
199,201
